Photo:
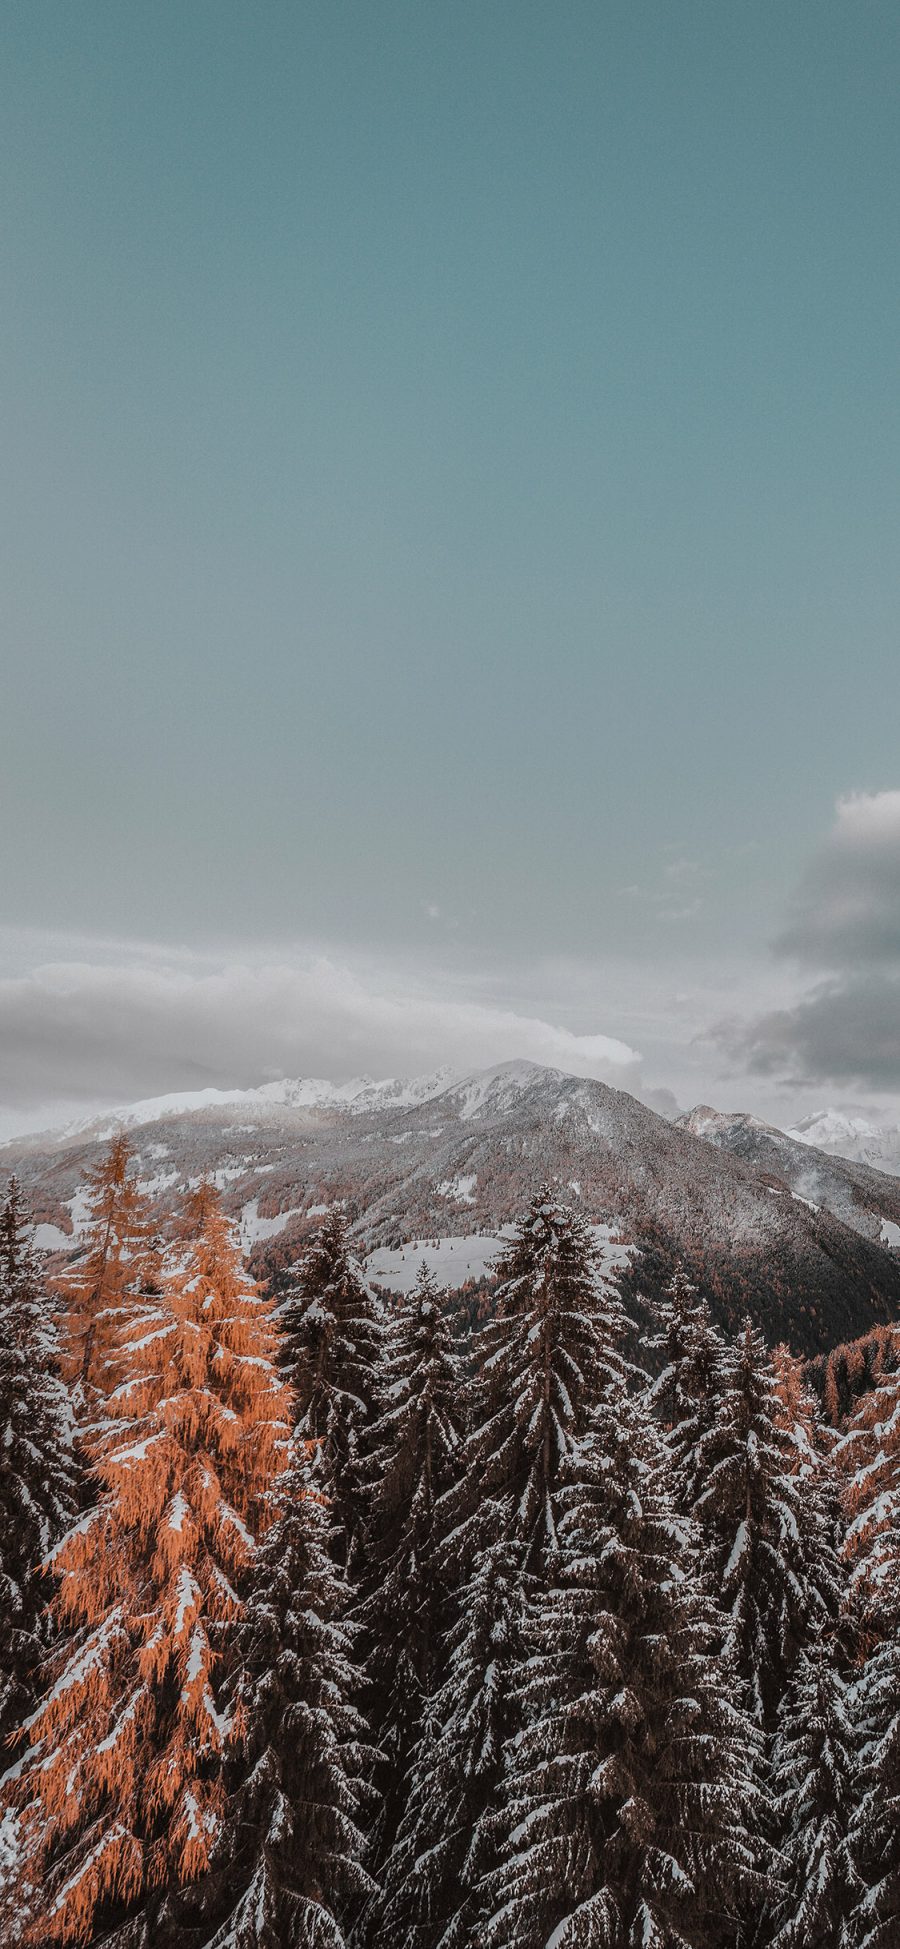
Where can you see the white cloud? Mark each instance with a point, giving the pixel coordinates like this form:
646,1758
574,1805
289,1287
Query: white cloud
105,1029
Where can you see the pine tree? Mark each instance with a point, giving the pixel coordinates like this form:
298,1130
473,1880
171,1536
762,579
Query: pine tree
874,1832
333,1352
39,1476
545,1358
432,1880
408,1579
814,1788
117,1257
685,1395
287,1873
629,1788
767,1528
123,1780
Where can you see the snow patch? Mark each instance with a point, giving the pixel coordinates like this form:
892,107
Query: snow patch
461,1189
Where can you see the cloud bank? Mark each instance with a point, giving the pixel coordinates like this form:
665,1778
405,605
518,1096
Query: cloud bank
79,1033
845,924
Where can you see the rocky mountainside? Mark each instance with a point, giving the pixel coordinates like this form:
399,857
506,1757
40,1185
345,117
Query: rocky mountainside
453,1162
867,1200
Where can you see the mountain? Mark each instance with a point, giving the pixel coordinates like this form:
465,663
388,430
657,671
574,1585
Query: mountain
455,1161
866,1200
855,1138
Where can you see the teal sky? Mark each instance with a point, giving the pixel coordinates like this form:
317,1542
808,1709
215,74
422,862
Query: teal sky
450,468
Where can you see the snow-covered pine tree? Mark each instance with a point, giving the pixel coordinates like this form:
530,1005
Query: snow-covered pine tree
685,1394
332,1337
408,1579
546,1357
286,1872
628,1795
117,1256
122,1783
767,1529
549,1352
432,1881
815,1893
39,1475
874,1836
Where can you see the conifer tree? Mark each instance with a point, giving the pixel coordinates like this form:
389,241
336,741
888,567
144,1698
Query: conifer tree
868,1457
874,1836
545,1358
815,1893
286,1872
117,1257
767,1529
549,1353
122,1783
332,1352
432,1891
408,1579
629,1788
39,1475
685,1395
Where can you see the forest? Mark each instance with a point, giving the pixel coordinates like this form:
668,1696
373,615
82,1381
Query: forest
334,1620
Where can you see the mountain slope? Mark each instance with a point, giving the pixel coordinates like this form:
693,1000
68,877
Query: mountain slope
459,1160
867,1200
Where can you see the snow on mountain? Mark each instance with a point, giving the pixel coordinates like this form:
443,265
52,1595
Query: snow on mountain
760,1220
855,1138
853,1191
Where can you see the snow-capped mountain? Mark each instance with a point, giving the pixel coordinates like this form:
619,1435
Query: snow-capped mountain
454,1160
856,1138
866,1199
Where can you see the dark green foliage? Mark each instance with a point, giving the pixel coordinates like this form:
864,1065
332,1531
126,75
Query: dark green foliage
408,1575
333,1355
628,1799
38,1464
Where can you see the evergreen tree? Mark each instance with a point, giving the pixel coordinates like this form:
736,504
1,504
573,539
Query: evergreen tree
408,1578
546,1356
814,1789
768,1529
685,1395
333,1353
38,1466
286,1873
629,1788
874,1836
122,1783
432,1881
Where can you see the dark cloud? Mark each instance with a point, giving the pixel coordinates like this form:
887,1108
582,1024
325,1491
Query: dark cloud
846,912
845,923
844,1032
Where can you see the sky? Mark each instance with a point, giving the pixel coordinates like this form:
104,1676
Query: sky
448,569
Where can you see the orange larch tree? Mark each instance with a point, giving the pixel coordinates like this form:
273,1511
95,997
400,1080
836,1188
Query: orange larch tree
118,1257
869,1459
122,1784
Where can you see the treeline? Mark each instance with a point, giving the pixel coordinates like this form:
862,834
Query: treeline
333,1624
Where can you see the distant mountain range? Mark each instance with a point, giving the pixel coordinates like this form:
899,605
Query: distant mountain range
763,1220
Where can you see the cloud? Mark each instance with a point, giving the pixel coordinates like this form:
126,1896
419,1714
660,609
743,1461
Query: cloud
845,923
847,909
105,1031
843,1032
